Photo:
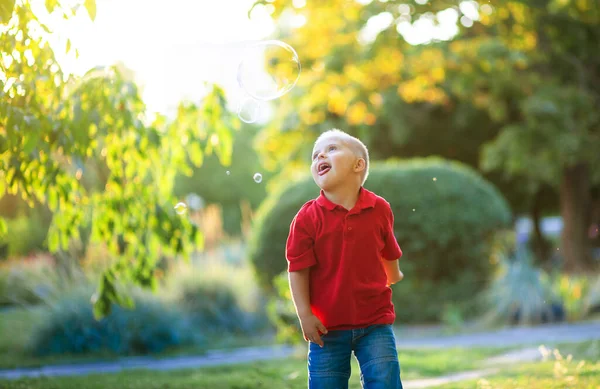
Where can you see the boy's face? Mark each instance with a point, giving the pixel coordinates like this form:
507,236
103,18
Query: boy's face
333,163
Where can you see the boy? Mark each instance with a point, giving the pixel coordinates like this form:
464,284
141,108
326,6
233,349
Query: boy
342,257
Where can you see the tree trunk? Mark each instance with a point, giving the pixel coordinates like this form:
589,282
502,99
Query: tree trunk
575,209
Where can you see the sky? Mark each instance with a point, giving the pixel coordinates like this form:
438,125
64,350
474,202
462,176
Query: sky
174,47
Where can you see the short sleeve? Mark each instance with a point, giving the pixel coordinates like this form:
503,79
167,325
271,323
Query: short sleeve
391,251
299,250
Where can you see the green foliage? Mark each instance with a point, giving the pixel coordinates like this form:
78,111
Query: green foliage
229,185
153,326
513,93
26,282
592,298
38,279
575,292
53,126
445,215
220,299
520,293
25,235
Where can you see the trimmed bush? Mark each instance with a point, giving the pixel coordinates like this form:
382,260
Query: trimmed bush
444,213
152,326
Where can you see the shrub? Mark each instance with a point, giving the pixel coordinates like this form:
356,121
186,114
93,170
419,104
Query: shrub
444,212
520,293
28,281
572,289
25,234
152,326
219,298
592,298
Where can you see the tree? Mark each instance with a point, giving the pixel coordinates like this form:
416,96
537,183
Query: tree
232,185
51,124
520,77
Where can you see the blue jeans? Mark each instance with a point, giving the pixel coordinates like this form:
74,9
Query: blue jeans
375,349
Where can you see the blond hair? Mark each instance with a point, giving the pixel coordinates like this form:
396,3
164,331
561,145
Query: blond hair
355,144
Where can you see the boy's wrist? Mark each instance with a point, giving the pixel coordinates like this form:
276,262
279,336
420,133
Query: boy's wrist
304,314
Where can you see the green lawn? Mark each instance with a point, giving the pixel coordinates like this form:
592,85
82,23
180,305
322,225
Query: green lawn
581,371
291,373
288,373
16,326
542,375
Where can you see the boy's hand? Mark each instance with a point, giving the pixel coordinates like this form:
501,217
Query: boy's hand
312,328
397,278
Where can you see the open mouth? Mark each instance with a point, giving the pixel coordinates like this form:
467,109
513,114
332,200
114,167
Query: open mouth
323,168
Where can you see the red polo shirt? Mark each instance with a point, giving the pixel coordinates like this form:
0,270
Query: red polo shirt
344,249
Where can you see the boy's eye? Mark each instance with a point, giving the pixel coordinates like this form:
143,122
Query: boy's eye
332,148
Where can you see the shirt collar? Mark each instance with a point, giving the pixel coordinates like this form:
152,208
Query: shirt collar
366,199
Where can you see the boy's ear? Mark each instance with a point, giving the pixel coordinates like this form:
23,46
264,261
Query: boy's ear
360,165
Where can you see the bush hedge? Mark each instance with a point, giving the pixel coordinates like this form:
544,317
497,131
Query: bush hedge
445,213
220,299
152,326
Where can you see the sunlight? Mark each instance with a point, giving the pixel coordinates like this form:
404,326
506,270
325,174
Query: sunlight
173,49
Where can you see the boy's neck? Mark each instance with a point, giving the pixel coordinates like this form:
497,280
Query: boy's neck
346,197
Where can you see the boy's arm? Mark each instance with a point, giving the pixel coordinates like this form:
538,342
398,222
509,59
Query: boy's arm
312,328
299,286
392,271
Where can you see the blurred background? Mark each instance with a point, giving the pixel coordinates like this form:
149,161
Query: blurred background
481,118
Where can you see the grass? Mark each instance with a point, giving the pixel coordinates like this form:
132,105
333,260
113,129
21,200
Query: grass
16,326
565,366
287,373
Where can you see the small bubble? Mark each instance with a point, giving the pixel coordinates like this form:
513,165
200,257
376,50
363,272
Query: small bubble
413,209
228,172
180,208
78,174
258,178
94,298
557,249
249,110
434,178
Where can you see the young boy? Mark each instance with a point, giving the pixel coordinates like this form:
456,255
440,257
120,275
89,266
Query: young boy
342,258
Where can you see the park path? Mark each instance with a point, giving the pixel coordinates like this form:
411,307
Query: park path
522,336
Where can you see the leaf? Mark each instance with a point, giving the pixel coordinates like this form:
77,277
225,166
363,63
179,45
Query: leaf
31,141
52,200
6,10
3,228
68,45
50,5
53,241
90,5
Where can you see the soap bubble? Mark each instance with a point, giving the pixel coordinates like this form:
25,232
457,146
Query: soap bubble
268,70
258,178
228,172
180,208
249,110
